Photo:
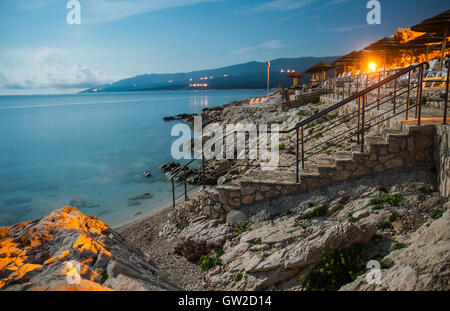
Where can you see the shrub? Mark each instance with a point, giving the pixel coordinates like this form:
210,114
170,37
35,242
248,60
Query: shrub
338,268
392,200
243,228
436,214
281,146
206,262
302,113
397,246
351,219
318,211
238,277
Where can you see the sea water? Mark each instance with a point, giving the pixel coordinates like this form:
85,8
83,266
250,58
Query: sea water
91,150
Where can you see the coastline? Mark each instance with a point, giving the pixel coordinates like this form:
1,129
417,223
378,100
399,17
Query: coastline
143,234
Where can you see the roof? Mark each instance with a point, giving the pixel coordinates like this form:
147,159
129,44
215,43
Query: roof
436,24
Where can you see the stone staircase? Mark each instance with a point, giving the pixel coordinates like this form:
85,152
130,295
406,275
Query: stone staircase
410,147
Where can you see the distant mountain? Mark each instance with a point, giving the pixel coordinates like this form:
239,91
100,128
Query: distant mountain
252,75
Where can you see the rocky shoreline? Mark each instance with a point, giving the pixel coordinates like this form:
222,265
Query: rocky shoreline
320,239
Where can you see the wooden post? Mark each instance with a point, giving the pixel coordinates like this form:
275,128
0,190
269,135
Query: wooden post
446,92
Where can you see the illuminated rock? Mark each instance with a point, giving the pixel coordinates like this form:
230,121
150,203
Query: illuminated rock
67,250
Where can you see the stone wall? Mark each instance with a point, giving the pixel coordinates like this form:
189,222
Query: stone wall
442,158
302,99
389,151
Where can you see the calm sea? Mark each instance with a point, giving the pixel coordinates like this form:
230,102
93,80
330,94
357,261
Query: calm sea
92,148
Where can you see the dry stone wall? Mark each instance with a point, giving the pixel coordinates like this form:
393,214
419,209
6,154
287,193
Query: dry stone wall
415,148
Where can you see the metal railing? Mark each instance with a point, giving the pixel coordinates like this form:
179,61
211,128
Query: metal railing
397,98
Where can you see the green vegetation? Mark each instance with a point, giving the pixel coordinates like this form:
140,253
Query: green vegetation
377,207
287,213
265,255
243,228
206,262
386,263
339,267
238,277
351,218
392,200
281,146
436,214
302,113
318,211
398,245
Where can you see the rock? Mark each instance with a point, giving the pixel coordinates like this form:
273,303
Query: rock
236,218
78,202
423,265
141,197
361,214
146,174
38,254
288,250
201,237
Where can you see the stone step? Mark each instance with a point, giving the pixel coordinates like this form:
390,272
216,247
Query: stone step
357,148
375,140
326,162
345,155
385,132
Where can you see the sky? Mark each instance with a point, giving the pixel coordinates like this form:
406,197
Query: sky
41,53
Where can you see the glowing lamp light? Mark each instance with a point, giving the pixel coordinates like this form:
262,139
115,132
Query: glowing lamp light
372,66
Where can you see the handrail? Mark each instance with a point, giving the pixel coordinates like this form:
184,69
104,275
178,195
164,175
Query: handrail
355,96
361,127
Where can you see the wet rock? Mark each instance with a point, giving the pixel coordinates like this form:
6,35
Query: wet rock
141,197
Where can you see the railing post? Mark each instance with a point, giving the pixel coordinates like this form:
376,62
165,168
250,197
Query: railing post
359,118
362,121
357,84
378,96
296,156
395,94
446,92
303,149
419,95
203,170
185,187
173,192
408,98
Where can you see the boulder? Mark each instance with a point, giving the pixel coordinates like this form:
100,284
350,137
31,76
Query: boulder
67,250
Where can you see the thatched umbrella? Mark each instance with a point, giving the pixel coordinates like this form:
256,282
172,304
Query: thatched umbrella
387,46
426,40
321,69
346,59
438,25
295,75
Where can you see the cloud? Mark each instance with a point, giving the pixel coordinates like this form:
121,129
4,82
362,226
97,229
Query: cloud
110,10
335,2
95,11
343,28
46,67
263,47
283,5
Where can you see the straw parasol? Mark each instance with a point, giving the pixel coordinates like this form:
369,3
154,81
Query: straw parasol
321,69
295,75
438,25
